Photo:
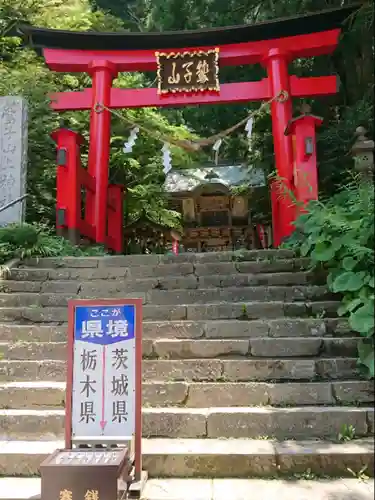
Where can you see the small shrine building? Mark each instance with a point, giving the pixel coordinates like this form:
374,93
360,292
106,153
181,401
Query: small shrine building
216,216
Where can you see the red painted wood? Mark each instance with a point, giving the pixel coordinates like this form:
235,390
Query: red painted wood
274,214
115,215
100,132
139,98
70,179
69,377
68,187
312,44
313,86
230,92
281,112
138,388
87,230
305,165
87,181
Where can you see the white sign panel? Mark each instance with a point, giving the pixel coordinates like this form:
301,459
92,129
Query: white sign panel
104,372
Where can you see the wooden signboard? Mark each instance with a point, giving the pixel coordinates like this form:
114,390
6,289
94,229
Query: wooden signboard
82,474
188,71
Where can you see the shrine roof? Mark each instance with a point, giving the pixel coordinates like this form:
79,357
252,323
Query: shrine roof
276,28
230,176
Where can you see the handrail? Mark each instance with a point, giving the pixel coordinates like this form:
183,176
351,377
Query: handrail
11,203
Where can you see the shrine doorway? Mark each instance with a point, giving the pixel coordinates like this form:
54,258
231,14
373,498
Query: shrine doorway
213,231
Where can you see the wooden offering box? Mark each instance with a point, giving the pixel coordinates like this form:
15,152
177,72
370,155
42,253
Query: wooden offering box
85,474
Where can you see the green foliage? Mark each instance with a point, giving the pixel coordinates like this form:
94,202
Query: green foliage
339,235
19,236
23,72
27,240
347,433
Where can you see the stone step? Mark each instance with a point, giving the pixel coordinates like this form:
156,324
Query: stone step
217,458
154,259
275,328
221,489
51,394
201,348
20,488
202,370
237,310
250,370
106,271
239,294
37,394
177,296
255,347
243,489
306,422
173,297
190,282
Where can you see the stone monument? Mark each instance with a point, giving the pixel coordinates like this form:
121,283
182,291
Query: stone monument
13,158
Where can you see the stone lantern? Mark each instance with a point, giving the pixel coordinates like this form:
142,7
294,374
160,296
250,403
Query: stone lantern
363,154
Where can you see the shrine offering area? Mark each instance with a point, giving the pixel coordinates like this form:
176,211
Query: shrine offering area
247,374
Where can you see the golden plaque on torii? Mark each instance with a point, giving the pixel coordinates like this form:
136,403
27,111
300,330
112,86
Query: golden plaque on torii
188,71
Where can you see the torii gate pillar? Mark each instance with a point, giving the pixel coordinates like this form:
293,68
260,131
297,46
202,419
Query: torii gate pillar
283,209
102,73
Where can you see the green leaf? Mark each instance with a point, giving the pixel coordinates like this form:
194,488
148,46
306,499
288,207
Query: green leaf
349,263
364,293
349,306
332,276
337,243
323,252
362,320
371,282
305,248
366,355
347,282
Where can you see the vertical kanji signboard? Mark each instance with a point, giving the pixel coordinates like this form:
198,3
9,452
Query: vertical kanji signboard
104,386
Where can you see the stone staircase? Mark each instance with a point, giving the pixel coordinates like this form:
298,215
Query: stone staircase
247,371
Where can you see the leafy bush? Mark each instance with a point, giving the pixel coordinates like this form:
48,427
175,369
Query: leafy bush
338,234
31,240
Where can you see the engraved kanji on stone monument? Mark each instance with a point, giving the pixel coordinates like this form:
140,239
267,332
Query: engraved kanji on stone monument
13,157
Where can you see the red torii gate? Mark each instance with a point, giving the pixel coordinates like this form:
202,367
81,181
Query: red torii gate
273,44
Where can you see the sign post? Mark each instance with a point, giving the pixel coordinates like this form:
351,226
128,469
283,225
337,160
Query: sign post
104,379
